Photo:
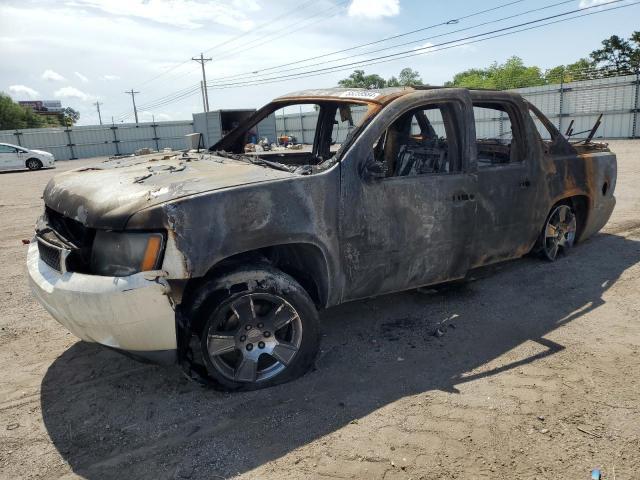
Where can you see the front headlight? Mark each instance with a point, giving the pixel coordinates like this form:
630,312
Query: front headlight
119,254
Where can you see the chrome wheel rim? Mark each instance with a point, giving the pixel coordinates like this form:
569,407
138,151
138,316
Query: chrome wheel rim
32,165
254,337
559,232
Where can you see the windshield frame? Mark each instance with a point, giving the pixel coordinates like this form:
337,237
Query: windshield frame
233,142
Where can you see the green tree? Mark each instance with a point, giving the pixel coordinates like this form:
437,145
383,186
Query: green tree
13,115
52,121
514,74
511,74
358,79
635,55
616,53
407,78
583,69
70,116
472,78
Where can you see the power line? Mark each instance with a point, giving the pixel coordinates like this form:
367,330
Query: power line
226,42
189,93
289,30
418,51
401,44
179,94
182,94
448,22
407,54
300,8
150,105
262,40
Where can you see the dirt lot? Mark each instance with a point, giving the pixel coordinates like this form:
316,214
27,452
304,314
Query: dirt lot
537,376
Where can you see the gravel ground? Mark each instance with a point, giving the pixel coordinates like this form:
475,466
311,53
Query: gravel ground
537,376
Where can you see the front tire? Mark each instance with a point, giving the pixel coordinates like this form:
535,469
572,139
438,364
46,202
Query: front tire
33,164
259,328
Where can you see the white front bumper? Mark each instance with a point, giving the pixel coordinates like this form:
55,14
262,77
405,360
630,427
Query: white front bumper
128,313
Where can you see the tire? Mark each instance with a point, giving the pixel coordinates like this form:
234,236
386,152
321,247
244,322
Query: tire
558,234
33,164
259,328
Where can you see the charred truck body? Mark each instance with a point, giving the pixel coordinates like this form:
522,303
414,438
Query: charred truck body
221,261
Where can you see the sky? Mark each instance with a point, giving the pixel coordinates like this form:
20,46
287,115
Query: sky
87,51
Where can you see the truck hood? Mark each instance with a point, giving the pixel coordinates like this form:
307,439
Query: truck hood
107,194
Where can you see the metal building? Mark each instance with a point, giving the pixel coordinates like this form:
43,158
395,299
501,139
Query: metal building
216,124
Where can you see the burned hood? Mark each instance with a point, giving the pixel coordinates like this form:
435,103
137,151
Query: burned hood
107,194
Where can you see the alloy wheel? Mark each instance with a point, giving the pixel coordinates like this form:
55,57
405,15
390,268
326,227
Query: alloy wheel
559,231
254,337
33,164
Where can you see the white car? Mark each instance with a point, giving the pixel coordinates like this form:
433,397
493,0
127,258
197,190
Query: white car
14,157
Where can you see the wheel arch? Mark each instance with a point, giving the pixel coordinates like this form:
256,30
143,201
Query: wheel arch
304,262
33,158
581,205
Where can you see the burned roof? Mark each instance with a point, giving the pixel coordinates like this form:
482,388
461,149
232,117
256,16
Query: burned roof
379,96
376,95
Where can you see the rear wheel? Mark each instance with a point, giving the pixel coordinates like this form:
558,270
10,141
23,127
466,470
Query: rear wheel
559,233
34,164
263,334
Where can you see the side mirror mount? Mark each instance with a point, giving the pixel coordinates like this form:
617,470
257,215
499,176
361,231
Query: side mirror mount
373,170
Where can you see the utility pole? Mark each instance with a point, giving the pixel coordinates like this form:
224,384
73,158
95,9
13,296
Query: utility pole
204,102
202,61
97,104
133,98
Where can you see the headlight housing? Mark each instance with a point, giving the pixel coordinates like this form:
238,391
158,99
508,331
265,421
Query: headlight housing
119,254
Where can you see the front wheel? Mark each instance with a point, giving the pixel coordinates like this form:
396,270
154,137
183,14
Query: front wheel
559,233
263,334
34,164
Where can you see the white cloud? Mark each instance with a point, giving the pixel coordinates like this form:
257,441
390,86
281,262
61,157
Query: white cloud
374,8
426,47
178,13
72,92
111,78
52,76
246,5
146,116
82,78
591,3
22,90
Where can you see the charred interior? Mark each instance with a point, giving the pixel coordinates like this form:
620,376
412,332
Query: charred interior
319,142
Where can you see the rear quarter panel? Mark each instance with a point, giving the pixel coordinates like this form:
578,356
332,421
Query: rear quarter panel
590,174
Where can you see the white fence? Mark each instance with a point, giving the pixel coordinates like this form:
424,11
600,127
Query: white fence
617,98
101,140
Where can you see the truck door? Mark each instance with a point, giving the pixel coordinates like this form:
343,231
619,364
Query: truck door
408,203
509,178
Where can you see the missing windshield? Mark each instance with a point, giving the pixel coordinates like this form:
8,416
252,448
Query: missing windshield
307,135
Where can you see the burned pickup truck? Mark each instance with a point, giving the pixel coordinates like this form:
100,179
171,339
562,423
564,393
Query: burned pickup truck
221,260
